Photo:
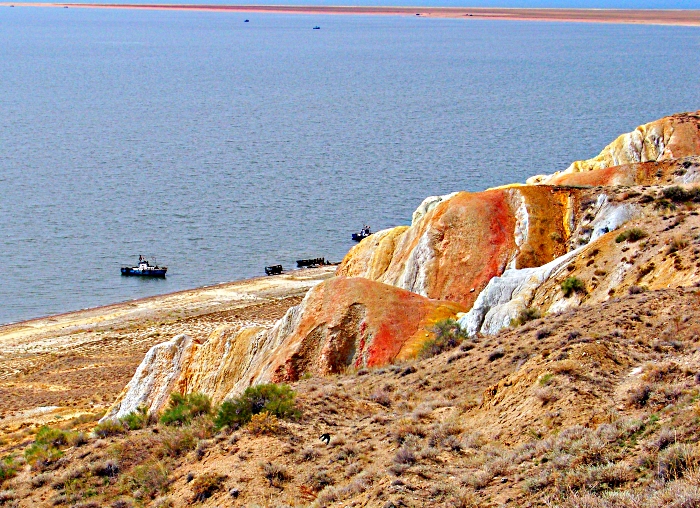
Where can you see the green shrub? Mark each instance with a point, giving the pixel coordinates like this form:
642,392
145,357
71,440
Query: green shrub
680,195
278,400
206,485
183,408
50,436
46,447
631,235
447,335
8,468
572,285
136,419
525,315
146,480
41,455
175,442
109,428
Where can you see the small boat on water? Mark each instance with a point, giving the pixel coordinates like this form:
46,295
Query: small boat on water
364,233
317,28
247,21
145,269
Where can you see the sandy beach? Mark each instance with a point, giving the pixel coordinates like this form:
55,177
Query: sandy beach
76,363
628,16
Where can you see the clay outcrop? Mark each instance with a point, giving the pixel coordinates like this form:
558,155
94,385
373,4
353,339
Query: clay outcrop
343,323
457,245
672,137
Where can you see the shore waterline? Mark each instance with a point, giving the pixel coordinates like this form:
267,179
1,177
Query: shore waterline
221,147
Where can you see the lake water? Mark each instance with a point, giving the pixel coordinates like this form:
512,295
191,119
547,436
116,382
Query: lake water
222,146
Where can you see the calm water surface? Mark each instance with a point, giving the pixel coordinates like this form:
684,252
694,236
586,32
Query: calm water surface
222,146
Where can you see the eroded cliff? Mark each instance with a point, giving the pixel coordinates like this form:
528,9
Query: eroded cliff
672,137
496,254
343,323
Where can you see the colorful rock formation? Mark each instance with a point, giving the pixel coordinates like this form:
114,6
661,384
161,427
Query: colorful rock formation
676,171
341,324
672,137
493,253
459,243
155,377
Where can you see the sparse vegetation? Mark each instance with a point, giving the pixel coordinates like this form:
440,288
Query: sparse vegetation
631,235
678,194
204,486
277,400
572,285
447,335
525,315
184,408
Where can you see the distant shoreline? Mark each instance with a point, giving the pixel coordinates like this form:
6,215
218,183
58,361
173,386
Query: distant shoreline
627,16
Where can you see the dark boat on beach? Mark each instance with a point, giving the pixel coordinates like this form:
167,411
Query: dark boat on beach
364,233
145,269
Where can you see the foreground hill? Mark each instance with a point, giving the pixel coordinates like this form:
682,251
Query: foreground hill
557,412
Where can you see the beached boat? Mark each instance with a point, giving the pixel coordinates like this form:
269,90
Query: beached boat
364,233
145,269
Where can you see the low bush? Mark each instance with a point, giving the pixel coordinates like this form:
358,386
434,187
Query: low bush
275,474
136,419
41,455
677,243
263,423
175,442
183,408
572,285
631,235
107,468
496,354
109,428
525,315
46,447
146,480
8,469
404,456
381,397
447,335
678,194
277,400
675,460
50,436
206,485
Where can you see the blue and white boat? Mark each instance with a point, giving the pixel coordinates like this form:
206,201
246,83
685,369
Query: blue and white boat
145,269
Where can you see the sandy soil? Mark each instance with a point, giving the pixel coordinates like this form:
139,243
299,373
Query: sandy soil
636,16
76,363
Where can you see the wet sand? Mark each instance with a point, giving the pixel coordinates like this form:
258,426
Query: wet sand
630,16
76,363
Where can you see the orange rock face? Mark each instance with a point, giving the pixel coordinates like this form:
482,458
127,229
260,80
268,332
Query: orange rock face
342,323
356,322
681,171
672,137
452,251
